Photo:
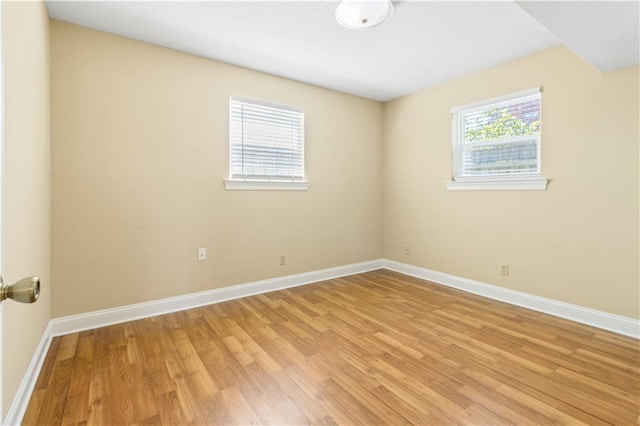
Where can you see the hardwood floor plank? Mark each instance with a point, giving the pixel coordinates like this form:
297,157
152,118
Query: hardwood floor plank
100,413
189,398
372,348
506,407
48,364
346,407
446,402
273,406
144,404
540,406
170,409
77,403
353,384
303,392
485,380
54,397
593,385
67,348
238,407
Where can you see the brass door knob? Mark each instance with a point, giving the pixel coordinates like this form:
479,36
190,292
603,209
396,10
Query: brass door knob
27,290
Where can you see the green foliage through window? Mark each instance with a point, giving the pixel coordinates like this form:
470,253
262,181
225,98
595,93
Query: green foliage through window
498,124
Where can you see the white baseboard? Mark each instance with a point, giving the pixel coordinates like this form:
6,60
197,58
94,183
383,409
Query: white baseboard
616,323
23,395
102,318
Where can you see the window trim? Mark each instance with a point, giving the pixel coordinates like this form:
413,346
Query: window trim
265,185
258,183
492,184
524,181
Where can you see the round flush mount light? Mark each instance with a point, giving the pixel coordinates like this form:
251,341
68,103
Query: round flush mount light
363,14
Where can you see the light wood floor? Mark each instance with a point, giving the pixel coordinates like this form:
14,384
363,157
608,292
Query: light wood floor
374,348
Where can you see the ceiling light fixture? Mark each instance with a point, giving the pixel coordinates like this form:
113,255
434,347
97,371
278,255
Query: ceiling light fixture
363,14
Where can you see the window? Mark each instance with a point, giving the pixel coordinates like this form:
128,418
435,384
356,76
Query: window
496,143
266,146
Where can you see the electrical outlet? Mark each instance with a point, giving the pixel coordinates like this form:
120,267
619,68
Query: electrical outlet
504,269
283,260
202,254
407,250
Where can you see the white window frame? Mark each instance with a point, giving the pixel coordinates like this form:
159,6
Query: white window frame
514,181
265,183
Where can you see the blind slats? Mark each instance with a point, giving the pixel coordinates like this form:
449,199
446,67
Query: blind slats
497,139
266,141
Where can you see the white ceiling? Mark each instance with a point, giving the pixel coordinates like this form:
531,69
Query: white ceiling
424,44
604,33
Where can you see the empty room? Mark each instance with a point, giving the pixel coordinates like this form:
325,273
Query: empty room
320,212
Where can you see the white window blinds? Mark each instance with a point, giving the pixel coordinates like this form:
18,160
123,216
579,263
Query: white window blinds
266,141
499,137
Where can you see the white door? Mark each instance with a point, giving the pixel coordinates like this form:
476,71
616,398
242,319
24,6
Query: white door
2,413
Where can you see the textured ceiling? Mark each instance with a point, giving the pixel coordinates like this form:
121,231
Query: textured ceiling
424,44
605,34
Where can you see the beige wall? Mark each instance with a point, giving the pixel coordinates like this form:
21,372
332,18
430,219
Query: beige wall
26,183
140,150
139,153
576,242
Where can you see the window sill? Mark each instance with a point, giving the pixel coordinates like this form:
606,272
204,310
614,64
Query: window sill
259,185
507,184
